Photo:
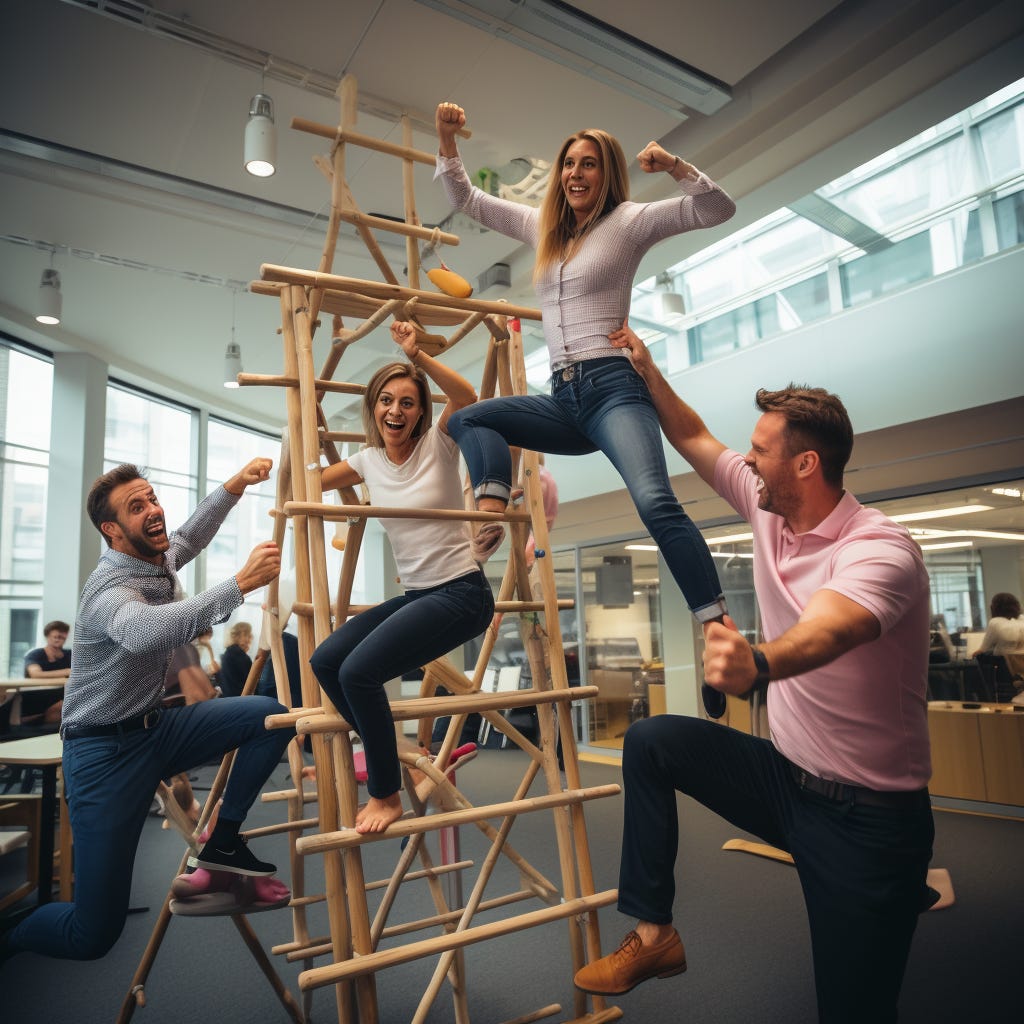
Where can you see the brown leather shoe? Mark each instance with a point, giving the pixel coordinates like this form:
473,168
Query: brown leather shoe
630,964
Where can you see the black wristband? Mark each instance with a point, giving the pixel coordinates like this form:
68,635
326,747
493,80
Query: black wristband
761,664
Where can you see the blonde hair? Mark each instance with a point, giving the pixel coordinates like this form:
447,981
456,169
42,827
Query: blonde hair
557,225
378,382
239,630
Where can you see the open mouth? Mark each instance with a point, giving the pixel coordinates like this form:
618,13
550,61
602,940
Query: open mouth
155,529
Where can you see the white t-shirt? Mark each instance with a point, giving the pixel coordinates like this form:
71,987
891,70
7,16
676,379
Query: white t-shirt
428,552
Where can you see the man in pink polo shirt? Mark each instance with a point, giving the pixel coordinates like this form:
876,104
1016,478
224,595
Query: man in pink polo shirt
841,785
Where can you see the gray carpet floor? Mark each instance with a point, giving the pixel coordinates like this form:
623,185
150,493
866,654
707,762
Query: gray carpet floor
741,918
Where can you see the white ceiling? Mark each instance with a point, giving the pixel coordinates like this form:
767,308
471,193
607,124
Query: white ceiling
816,87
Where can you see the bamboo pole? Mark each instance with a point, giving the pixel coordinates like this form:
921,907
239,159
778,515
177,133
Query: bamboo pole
328,974
375,289
464,816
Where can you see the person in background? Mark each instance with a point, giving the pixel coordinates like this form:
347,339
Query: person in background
1004,633
207,661
50,662
235,661
411,462
842,782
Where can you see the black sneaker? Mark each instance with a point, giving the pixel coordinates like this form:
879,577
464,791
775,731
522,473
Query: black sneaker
714,701
237,859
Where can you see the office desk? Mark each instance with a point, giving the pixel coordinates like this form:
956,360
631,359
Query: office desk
977,753
18,686
46,752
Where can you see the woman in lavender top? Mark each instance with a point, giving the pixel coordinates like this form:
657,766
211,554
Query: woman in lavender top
589,240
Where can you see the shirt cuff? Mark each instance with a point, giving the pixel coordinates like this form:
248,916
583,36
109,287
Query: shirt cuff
696,186
446,165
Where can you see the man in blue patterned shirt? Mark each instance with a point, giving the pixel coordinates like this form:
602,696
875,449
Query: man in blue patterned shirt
118,741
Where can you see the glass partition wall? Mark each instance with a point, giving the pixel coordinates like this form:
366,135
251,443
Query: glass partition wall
973,546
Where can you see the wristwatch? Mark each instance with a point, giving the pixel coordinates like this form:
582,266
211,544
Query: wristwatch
761,664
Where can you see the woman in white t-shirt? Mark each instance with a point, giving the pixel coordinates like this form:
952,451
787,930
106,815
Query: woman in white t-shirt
1005,632
407,462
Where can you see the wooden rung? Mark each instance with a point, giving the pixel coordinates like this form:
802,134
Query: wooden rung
440,707
378,290
333,512
362,307
412,876
282,826
598,1016
288,718
529,1018
325,841
330,974
287,794
453,916
530,606
326,131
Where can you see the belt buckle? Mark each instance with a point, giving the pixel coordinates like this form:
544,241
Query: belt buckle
569,372
150,718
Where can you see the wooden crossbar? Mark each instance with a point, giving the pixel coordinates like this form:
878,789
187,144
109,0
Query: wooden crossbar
429,707
330,974
325,841
377,290
334,512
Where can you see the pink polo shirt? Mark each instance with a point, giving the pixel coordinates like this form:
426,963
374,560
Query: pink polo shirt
862,719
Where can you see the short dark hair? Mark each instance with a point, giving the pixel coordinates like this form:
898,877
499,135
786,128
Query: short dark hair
817,421
56,624
1005,606
98,503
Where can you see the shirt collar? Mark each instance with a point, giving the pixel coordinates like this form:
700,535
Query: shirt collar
139,566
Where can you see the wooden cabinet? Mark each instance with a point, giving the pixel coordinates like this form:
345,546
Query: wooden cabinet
977,753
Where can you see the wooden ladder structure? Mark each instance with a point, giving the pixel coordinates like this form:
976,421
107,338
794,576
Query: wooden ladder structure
358,947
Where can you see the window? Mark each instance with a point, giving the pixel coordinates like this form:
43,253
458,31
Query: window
949,196
160,438
26,389
229,448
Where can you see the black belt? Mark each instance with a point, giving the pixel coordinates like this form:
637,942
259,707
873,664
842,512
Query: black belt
146,720
842,792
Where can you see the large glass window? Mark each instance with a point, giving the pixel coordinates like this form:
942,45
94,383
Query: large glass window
160,438
26,389
949,196
229,448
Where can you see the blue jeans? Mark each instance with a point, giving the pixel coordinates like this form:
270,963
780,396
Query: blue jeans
862,868
109,782
360,656
606,407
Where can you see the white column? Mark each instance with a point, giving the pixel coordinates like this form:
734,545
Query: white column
77,429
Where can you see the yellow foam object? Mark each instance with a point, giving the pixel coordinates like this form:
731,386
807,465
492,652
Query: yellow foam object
450,283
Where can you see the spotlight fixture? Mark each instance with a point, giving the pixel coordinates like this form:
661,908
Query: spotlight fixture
49,301
260,137
232,364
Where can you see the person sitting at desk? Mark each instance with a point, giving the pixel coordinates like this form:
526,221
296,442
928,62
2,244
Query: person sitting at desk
1005,633
50,662
235,661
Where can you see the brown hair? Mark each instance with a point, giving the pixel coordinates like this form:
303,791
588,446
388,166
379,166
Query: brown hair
557,226
97,504
238,630
815,421
1006,606
56,624
378,382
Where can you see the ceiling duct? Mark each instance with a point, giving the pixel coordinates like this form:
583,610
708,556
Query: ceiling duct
595,49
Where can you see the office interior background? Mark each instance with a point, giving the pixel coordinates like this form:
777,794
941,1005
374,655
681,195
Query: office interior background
876,154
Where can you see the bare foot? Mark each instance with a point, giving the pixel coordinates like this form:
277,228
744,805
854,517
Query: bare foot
376,815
